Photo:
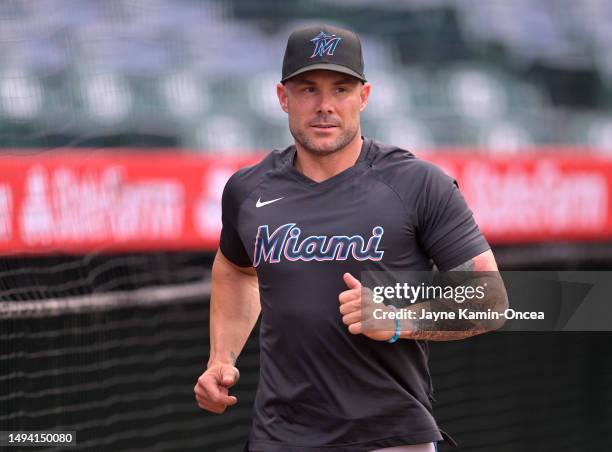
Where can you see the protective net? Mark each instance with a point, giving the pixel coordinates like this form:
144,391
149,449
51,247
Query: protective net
524,391
116,366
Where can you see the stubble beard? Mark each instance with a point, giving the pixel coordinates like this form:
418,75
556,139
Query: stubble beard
311,147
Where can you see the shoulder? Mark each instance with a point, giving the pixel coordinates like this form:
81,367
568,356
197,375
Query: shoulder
246,179
403,170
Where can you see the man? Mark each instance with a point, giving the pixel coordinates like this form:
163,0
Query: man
298,230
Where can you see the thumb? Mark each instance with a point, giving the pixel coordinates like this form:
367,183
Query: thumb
351,281
229,376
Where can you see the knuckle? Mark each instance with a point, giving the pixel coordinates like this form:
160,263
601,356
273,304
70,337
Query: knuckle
216,408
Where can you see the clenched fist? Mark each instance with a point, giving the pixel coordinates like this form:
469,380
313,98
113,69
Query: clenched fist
211,390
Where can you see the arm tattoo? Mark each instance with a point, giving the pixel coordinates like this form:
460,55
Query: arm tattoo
448,329
234,358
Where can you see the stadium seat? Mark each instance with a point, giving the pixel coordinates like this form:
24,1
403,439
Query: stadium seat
107,97
21,95
504,136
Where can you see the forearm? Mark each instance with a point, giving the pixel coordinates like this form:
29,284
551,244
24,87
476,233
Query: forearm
234,309
447,320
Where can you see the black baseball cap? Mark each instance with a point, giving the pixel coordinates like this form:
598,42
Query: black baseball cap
323,47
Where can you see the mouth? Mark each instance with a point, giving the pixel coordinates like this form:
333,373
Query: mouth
323,126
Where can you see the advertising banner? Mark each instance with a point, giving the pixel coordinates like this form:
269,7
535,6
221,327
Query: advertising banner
128,200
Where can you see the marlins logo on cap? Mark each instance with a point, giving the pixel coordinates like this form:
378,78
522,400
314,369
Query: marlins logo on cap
325,43
323,47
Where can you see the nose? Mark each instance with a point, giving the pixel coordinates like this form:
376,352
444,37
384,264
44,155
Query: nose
325,104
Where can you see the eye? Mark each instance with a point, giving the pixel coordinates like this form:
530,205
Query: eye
309,89
340,89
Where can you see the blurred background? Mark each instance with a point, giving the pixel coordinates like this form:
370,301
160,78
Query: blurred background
121,120
495,75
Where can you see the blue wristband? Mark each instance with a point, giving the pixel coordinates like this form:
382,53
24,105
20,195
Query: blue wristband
398,331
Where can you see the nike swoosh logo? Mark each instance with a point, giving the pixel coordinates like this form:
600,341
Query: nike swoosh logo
265,203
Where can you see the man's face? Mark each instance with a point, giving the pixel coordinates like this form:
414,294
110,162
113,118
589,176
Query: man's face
323,108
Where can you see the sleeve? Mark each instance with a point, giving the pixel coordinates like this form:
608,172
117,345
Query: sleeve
446,225
230,243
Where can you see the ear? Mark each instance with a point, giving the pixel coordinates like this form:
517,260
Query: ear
281,92
364,94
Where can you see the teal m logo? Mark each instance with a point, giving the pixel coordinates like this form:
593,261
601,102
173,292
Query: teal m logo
324,44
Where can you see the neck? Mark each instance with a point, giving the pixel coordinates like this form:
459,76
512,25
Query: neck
318,168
